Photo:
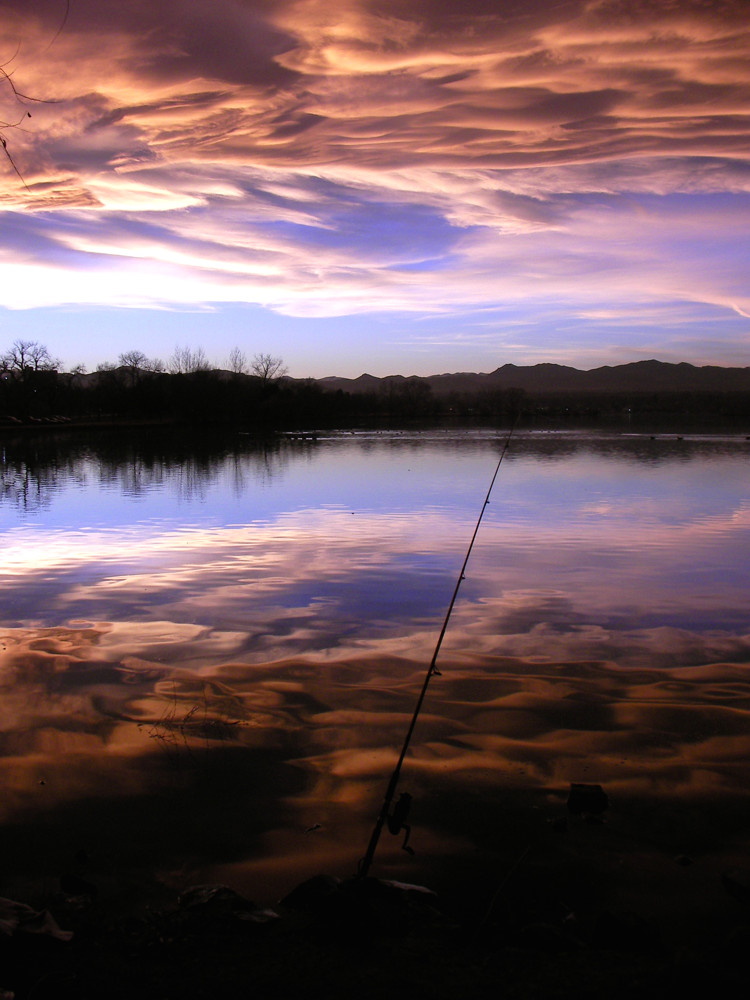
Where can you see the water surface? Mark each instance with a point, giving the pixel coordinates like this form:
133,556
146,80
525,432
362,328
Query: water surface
209,653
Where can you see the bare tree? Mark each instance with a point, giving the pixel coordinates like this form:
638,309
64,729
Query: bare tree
15,359
267,368
238,361
29,355
184,360
133,361
41,359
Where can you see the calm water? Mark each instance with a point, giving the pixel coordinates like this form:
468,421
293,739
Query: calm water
209,654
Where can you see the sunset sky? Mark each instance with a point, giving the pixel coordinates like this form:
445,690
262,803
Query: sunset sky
413,186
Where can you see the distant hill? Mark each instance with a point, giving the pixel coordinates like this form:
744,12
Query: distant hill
640,376
215,397
548,379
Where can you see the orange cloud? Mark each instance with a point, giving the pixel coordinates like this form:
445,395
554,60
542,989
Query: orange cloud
266,138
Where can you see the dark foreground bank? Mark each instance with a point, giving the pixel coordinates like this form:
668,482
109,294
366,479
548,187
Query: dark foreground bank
577,915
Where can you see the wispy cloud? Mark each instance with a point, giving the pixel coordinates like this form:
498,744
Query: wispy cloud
354,157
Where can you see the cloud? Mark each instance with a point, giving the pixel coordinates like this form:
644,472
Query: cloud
312,83
327,159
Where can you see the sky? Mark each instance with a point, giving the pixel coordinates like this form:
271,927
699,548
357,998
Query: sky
389,186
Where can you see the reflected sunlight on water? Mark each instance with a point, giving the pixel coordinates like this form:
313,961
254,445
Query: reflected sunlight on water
215,658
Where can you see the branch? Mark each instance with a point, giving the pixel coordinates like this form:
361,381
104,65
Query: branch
12,163
64,22
21,97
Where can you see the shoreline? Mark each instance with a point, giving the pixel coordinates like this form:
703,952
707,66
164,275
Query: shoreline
572,918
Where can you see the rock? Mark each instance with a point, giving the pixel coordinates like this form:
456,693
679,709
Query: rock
214,902
588,800
20,917
74,885
364,905
308,895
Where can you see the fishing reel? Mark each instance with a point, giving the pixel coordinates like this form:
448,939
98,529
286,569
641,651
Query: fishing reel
397,821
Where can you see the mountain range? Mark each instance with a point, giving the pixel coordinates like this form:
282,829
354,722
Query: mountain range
640,376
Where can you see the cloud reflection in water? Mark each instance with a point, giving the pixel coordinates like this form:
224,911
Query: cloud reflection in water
601,636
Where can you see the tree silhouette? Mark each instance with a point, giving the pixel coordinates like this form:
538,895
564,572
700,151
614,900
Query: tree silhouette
134,362
268,368
238,361
184,361
29,356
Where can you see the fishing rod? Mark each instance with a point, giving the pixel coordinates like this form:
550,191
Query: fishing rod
396,821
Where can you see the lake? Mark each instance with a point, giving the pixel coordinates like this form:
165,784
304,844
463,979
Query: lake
210,651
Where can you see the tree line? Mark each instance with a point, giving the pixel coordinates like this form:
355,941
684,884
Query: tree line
254,393
27,356
34,387
251,391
